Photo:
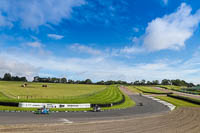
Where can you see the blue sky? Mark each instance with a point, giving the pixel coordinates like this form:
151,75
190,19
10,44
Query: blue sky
101,39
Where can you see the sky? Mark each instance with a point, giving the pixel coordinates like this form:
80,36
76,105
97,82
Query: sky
101,39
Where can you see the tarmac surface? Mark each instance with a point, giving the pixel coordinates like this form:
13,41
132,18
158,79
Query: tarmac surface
149,107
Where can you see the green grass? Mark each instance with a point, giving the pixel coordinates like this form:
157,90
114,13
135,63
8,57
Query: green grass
8,108
147,89
170,87
109,95
182,89
177,102
128,103
96,94
14,89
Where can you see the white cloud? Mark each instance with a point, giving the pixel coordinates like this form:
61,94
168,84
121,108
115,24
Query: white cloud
85,49
100,68
34,13
55,36
16,67
34,44
131,50
171,31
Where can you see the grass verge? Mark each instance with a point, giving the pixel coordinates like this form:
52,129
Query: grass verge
147,89
177,102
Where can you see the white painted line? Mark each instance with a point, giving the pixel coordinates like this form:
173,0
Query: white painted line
169,105
66,121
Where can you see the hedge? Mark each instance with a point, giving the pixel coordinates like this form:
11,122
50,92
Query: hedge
188,99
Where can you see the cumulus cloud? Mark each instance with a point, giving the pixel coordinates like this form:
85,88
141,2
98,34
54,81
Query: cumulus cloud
34,13
99,68
55,36
85,49
171,31
16,67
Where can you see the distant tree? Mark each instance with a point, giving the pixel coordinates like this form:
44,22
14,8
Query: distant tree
23,79
149,83
70,81
100,82
109,82
16,78
155,82
179,82
190,85
137,82
143,82
7,77
88,81
166,82
55,80
63,80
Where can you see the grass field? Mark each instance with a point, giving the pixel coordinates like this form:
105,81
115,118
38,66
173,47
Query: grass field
14,89
134,89
182,89
61,93
177,102
170,87
148,89
128,103
106,95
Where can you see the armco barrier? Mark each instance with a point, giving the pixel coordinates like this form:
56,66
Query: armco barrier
92,105
183,91
9,104
185,99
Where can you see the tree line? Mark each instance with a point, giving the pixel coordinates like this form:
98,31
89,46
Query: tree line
9,77
176,82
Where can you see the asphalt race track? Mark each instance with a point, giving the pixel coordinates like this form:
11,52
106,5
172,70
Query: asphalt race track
149,107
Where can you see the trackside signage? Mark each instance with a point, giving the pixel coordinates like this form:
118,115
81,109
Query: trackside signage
53,105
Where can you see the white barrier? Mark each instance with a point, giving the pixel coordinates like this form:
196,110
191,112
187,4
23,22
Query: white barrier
169,105
53,105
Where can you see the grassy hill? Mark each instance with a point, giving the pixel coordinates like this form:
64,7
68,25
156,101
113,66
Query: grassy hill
61,93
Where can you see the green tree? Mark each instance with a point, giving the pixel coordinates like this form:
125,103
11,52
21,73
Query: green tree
88,81
7,77
166,82
63,80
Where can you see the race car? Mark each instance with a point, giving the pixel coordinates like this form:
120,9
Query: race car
43,110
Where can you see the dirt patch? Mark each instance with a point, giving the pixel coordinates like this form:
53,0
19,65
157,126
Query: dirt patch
182,120
126,90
